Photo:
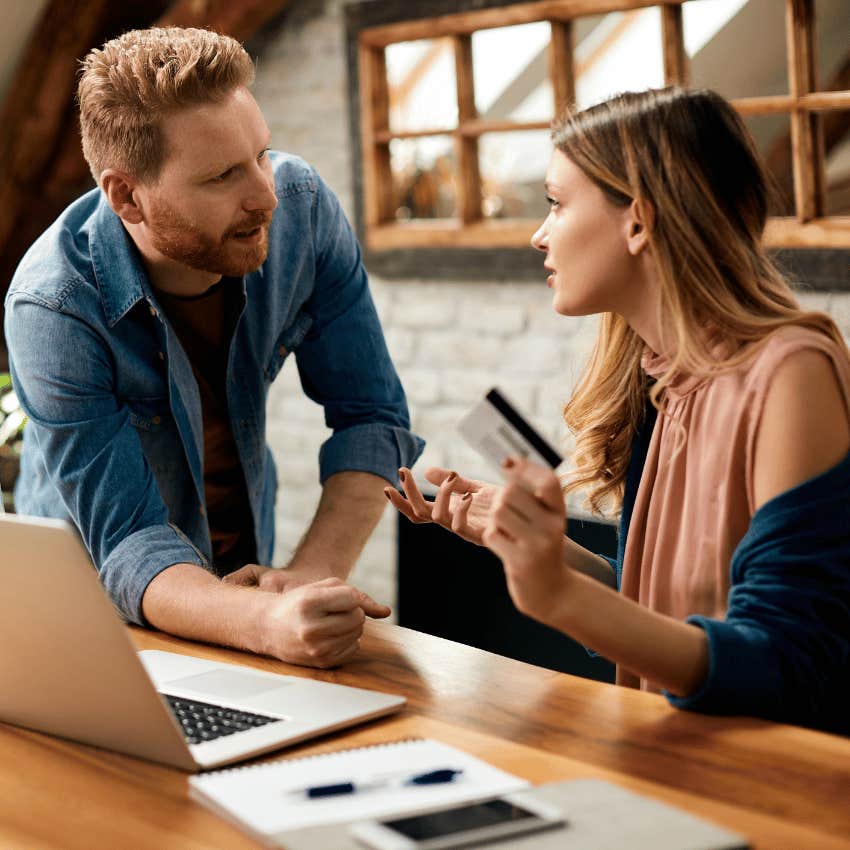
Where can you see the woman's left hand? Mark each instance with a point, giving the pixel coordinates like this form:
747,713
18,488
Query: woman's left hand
526,530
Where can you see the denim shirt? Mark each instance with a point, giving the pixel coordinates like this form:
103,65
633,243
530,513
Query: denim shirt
114,440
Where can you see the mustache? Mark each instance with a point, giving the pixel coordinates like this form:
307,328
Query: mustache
257,219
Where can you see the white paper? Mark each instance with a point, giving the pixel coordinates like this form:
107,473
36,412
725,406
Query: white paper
263,797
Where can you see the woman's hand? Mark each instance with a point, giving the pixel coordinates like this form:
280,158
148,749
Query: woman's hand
526,530
462,505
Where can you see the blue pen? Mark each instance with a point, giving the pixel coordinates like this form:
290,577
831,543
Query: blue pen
432,777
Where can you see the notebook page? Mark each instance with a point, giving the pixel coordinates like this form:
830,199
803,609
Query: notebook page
269,798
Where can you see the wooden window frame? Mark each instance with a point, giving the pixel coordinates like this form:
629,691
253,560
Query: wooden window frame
470,233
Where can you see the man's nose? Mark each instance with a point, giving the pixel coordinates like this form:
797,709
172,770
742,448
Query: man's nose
261,195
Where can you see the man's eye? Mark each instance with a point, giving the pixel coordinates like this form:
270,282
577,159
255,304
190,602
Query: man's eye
220,178
263,154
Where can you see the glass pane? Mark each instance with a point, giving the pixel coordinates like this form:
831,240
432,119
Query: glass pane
737,47
424,179
832,34
515,90
836,133
513,166
620,51
772,134
422,87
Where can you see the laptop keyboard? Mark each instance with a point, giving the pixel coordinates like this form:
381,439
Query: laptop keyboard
202,721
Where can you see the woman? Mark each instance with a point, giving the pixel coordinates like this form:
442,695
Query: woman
714,413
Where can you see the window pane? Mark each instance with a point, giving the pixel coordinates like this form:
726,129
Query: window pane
513,166
833,44
617,52
836,132
422,87
518,89
772,134
424,179
737,47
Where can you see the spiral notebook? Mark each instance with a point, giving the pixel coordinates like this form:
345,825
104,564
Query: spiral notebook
271,798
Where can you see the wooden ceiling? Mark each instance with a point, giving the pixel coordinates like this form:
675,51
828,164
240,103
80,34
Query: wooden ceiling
41,162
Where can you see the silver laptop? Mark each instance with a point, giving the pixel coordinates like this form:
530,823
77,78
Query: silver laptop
69,668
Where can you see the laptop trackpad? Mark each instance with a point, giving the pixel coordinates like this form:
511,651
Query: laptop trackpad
226,684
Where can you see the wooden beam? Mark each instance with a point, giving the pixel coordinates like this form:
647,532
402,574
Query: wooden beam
35,109
833,232
466,147
466,23
374,119
238,19
561,70
806,133
472,128
673,45
822,101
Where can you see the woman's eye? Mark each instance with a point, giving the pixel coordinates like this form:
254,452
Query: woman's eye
552,202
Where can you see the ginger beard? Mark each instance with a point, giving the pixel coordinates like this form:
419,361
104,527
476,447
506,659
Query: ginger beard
241,249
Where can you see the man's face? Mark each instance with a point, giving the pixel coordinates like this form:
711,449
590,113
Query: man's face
212,203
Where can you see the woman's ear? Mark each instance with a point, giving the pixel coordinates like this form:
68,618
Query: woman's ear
119,189
641,222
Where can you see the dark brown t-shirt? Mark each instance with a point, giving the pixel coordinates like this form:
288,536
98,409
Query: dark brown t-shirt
204,324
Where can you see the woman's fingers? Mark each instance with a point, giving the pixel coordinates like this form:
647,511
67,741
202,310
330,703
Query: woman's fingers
460,519
539,481
401,504
437,475
417,501
442,509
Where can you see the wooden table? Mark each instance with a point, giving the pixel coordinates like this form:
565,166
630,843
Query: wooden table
781,786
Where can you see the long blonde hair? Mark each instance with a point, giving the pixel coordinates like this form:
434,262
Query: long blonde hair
689,156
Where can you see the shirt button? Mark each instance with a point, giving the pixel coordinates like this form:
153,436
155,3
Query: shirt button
282,351
161,355
156,420
152,309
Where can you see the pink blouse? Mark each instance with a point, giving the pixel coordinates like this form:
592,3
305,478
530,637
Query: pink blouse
695,497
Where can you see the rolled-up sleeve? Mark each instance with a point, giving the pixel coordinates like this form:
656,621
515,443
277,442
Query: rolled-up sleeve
343,361
63,375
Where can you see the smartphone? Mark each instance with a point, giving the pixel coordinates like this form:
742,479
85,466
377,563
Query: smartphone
490,820
497,430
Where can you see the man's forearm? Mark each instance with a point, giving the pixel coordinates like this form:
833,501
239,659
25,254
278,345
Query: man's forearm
350,507
187,601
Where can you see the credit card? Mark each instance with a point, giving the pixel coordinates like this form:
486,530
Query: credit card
497,430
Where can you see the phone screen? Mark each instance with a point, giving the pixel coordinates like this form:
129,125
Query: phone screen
451,821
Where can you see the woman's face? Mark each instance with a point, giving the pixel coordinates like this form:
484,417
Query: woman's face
586,241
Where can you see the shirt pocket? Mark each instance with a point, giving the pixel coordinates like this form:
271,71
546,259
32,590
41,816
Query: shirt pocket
287,342
148,414
157,431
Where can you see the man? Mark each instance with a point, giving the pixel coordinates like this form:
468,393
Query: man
144,329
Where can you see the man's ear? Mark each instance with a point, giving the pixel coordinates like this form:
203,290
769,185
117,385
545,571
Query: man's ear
120,191
641,223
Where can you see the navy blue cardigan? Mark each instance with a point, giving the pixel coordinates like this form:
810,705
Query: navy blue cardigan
783,650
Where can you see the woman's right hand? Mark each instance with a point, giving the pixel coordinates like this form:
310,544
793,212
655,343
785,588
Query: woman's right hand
462,505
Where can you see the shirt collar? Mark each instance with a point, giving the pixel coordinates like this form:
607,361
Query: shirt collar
118,269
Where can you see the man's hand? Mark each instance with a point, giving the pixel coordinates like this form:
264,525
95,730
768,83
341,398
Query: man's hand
269,579
317,624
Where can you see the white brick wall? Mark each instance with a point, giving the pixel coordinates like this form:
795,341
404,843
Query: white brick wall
449,340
